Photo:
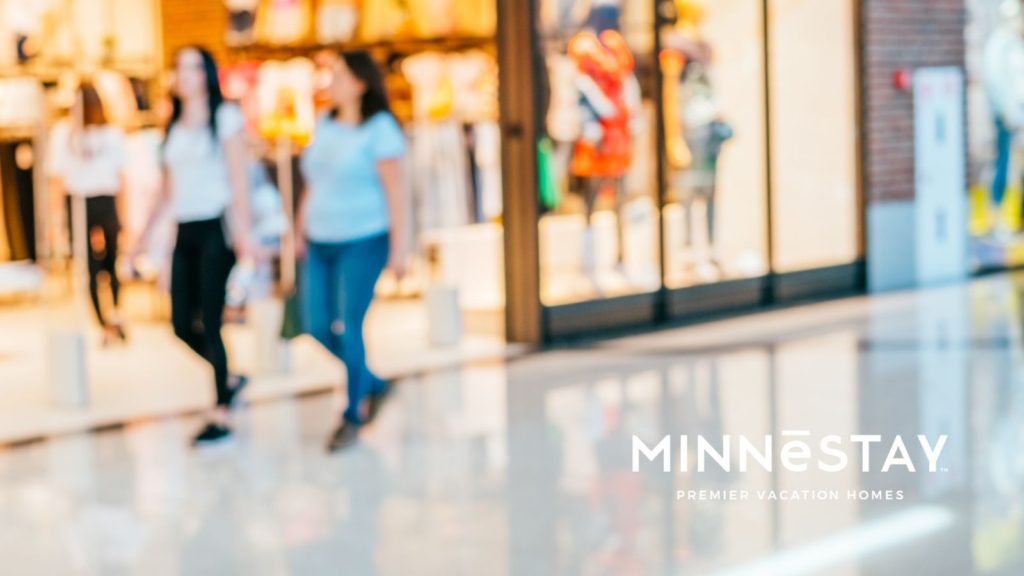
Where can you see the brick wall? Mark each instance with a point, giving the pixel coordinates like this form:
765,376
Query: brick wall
188,22
900,34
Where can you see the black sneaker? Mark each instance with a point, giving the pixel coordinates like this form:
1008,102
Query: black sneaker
240,383
345,436
375,400
212,434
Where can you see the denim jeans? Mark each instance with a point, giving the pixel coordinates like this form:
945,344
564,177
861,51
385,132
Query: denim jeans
1004,139
337,288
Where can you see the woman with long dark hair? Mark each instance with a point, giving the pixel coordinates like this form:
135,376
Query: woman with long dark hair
352,225
206,184
88,161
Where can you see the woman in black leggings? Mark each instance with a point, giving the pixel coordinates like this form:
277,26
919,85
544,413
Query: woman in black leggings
87,161
206,184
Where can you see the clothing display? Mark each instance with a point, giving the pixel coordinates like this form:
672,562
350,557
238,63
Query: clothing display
336,20
564,118
241,22
475,18
21,103
384,19
284,97
609,96
346,199
1004,86
284,22
200,188
432,18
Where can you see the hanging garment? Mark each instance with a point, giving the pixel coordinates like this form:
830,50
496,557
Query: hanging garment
284,97
336,20
440,165
432,91
605,81
241,22
384,20
476,18
283,22
487,156
474,85
433,18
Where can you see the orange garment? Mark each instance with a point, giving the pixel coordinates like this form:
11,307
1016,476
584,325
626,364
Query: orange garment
608,62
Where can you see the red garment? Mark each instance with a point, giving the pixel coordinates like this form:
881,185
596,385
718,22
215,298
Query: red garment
609,63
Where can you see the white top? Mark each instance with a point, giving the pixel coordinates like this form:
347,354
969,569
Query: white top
89,163
200,187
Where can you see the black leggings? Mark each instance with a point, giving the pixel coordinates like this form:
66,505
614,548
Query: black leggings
102,226
200,267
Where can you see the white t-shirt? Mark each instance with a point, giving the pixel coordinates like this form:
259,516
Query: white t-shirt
200,187
90,163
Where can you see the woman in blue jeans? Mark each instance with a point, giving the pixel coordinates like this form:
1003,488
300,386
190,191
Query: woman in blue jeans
350,218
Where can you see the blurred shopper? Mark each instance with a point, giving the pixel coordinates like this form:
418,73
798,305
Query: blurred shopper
87,161
206,185
351,221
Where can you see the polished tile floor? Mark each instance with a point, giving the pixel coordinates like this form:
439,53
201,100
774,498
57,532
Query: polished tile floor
525,468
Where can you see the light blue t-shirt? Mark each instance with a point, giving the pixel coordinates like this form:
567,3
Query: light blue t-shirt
346,198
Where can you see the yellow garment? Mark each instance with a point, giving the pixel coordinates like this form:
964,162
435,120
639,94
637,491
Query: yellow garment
383,20
679,155
433,18
689,15
476,18
441,100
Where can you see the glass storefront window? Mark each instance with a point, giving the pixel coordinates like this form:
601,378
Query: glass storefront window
814,133
715,214
598,165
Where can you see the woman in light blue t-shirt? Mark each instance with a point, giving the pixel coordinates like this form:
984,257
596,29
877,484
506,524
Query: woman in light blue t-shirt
350,218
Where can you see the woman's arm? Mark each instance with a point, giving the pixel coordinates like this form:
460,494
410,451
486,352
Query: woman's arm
238,175
391,178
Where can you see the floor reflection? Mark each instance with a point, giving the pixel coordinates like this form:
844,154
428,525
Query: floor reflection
526,469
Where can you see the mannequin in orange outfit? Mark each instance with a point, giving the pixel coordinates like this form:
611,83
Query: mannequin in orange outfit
609,97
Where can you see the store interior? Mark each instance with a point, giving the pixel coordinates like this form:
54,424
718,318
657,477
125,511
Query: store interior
600,153
995,94
441,74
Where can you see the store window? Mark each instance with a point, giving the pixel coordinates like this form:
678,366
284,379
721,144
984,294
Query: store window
813,91
715,213
599,226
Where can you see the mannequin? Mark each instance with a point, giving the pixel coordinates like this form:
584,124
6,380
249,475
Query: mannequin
694,131
1004,86
609,100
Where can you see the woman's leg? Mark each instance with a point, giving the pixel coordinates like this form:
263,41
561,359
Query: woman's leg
361,265
215,264
97,257
185,278
320,288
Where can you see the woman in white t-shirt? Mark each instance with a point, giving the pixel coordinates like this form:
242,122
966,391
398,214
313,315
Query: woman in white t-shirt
87,160
206,184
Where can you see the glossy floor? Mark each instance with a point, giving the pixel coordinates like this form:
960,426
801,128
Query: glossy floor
524,468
